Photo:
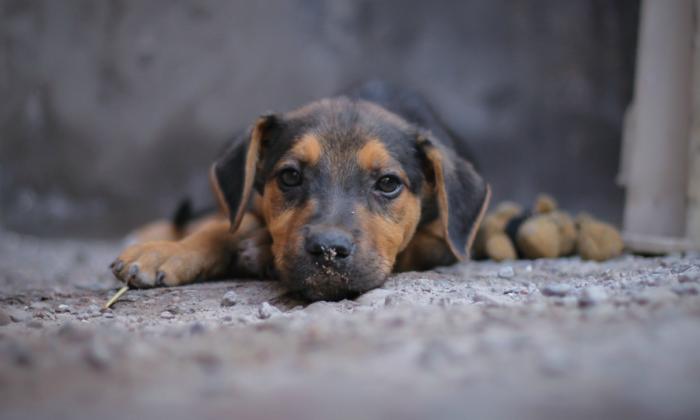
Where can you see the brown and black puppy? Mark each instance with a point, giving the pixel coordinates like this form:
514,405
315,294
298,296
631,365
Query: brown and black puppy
331,198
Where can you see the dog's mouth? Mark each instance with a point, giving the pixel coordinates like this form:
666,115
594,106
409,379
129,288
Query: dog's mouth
327,281
327,285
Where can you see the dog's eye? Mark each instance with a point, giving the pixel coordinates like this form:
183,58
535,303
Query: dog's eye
389,186
290,178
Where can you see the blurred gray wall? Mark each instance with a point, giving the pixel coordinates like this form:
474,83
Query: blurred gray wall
109,108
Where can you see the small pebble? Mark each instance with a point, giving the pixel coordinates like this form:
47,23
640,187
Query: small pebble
569,301
556,289
173,309
209,362
69,331
593,295
393,299
266,311
20,354
230,298
437,354
108,314
689,276
506,272
653,296
555,362
63,308
444,302
39,306
373,297
320,309
82,316
197,328
4,318
485,298
43,315
97,355
35,324
685,289
19,316
167,315
93,310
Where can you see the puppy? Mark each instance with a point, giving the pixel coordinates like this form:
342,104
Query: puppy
330,199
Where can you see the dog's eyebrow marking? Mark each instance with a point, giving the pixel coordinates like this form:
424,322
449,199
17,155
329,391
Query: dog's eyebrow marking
307,149
373,155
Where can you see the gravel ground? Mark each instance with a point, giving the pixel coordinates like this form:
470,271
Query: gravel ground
528,340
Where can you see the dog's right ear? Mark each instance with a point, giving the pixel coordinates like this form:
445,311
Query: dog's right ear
462,194
233,176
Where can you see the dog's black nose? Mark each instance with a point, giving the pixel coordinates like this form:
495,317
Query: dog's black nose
329,244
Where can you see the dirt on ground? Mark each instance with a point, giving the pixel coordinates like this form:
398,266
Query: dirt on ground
538,339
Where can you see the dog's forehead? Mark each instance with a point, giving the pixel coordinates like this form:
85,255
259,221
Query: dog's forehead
345,132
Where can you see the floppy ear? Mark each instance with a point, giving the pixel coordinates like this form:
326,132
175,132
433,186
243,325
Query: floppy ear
233,176
462,195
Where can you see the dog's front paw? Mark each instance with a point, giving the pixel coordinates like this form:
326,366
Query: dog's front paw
158,263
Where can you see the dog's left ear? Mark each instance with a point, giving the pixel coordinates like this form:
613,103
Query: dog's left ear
236,173
462,195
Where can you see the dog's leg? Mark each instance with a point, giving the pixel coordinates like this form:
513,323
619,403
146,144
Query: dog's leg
208,253
426,250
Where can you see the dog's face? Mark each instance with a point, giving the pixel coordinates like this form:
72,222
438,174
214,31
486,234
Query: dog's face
342,186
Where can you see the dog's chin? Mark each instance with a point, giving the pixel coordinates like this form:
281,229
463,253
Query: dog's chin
317,282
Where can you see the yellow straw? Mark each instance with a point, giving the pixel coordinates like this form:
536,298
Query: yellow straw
116,297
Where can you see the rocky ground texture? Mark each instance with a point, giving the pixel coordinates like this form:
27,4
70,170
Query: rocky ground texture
528,339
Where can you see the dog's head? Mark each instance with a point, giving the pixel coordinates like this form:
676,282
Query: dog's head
343,185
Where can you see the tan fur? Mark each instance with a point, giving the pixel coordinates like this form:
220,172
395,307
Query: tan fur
429,247
435,158
307,149
284,225
426,249
206,253
477,222
373,156
388,237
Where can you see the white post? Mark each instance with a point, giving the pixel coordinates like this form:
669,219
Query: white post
656,177
693,213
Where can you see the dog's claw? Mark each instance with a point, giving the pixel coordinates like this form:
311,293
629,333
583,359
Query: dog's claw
116,266
147,265
160,276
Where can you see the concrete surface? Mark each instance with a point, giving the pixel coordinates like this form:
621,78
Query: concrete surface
528,340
